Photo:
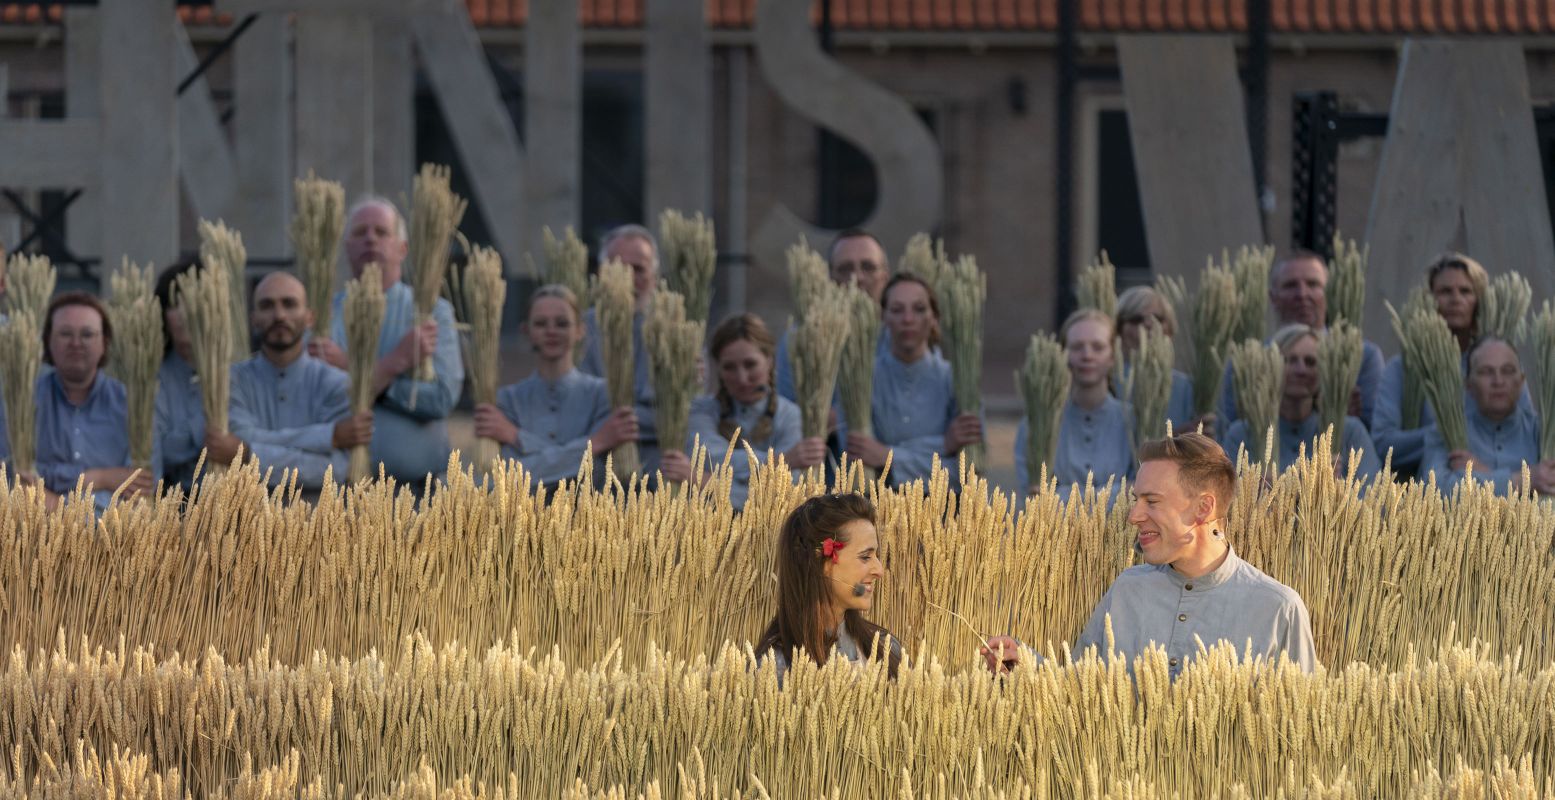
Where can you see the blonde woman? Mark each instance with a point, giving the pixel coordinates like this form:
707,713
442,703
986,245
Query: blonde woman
1094,432
1143,308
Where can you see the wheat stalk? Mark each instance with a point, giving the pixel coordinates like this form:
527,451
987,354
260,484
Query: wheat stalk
483,291
363,310
1043,382
29,285
613,309
1258,373
317,227
1346,291
690,250
1541,332
808,276
1096,287
1429,344
672,342
220,244
1215,316
21,354
815,348
136,351
1251,268
204,300
1338,367
925,257
435,213
1150,384
857,370
963,291
1503,312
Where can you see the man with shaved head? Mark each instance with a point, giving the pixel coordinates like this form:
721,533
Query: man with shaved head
291,410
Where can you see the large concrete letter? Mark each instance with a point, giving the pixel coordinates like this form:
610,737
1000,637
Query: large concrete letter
204,159
553,114
1460,150
910,179
83,64
456,65
679,115
262,136
1189,133
335,98
139,133
394,113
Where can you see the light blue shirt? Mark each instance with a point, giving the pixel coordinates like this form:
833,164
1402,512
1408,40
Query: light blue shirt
1097,443
412,442
1238,604
73,439
642,381
1295,435
1368,381
180,419
287,417
913,406
786,432
555,421
1503,446
1179,405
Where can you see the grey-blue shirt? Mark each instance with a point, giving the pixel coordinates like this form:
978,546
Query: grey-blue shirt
1237,603
1096,443
180,419
1295,435
411,441
555,420
786,432
287,417
643,395
1504,446
73,439
913,405
1179,405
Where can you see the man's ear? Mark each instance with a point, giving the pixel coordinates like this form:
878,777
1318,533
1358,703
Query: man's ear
1206,509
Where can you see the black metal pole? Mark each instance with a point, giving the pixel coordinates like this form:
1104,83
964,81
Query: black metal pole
1258,92
827,205
1063,236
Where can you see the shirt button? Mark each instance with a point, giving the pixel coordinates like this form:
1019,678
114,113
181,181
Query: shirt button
283,398
1182,617
1189,587
1172,663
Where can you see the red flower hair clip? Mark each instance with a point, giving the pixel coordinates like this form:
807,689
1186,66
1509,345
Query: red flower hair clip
832,549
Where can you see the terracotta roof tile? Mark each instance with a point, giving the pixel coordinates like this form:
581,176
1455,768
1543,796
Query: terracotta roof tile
1510,17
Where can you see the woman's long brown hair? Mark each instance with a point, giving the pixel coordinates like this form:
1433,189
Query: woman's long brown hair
749,328
802,584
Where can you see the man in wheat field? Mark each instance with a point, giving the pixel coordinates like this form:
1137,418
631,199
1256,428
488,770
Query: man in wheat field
1503,430
1298,293
410,417
291,410
636,247
1192,586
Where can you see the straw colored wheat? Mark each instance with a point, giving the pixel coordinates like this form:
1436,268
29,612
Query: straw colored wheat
808,276
925,257
690,258
1258,373
1215,316
1338,367
483,291
203,298
1346,290
1413,394
1097,286
1541,333
136,351
363,312
1043,382
566,263
1252,284
857,373
435,213
222,245
1428,343
963,291
672,341
1504,311
815,349
613,309
21,353
29,285
317,227
1150,384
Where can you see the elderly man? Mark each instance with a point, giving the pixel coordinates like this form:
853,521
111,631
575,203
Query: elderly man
1503,432
292,411
410,419
83,415
1192,586
1298,292
634,246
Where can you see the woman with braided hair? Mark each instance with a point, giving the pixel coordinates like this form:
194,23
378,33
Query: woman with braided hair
742,351
828,562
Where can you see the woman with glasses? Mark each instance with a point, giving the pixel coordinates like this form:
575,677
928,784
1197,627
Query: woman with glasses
1141,308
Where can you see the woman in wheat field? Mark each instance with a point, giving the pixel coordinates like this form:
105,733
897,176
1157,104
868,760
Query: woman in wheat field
828,565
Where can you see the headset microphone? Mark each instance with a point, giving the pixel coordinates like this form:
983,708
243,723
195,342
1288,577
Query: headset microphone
859,589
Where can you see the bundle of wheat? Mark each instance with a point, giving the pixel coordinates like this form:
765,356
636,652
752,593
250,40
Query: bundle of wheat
1412,397
222,245
856,375
363,310
482,291
1258,373
1541,330
962,292
690,250
1097,286
1150,384
1251,268
317,227
1429,344
925,257
21,354
1216,312
1043,382
204,300
29,282
613,310
1338,366
1346,290
136,351
815,349
435,212
1504,311
672,342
